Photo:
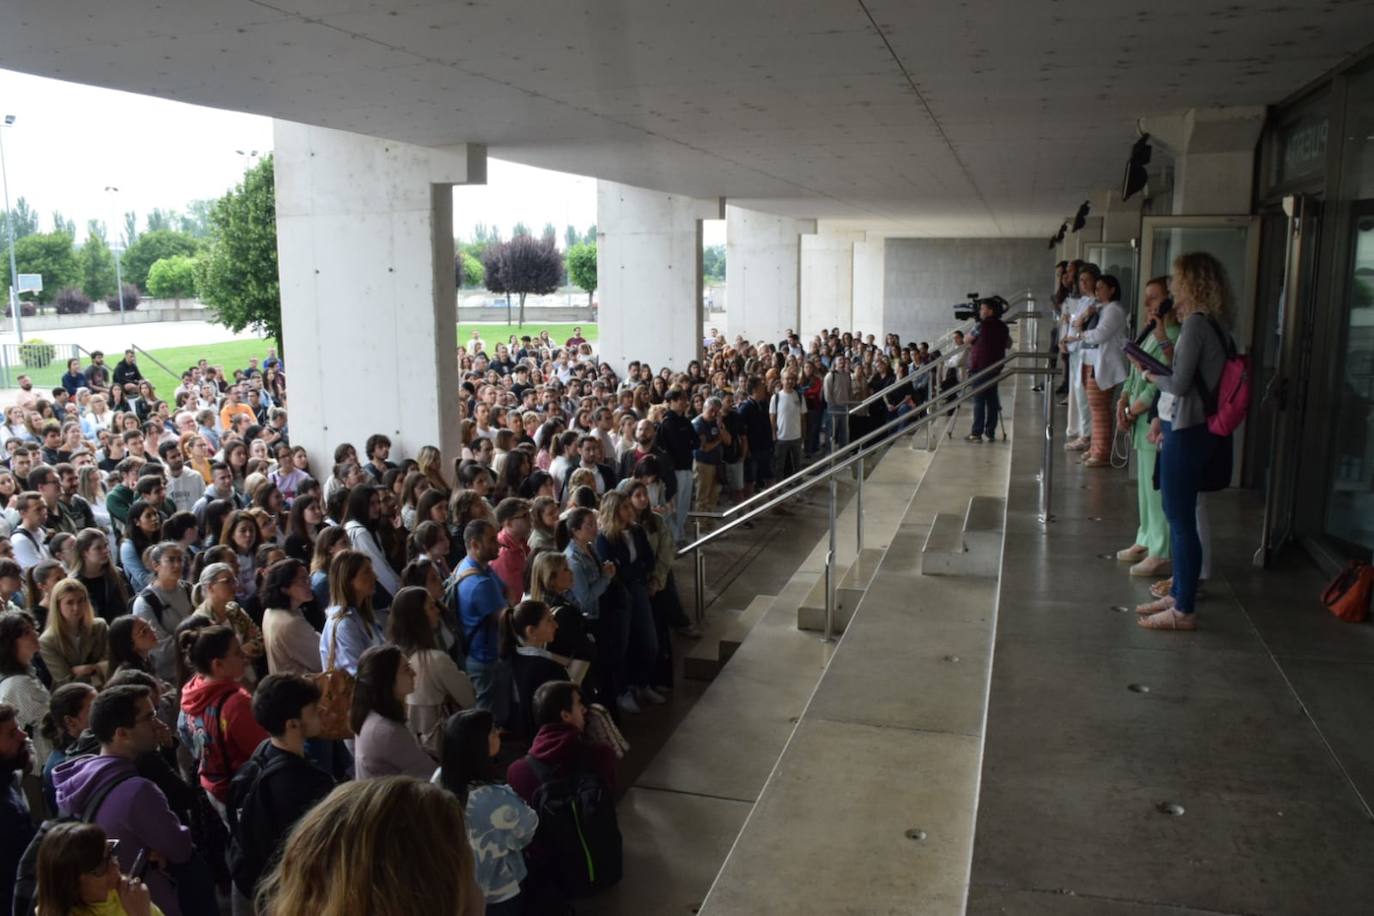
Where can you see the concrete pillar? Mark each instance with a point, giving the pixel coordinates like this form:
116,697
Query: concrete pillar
648,271
1214,157
869,265
365,251
1121,220
827,280
763,272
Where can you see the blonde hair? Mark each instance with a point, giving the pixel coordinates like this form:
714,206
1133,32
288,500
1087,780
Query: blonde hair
608,518
547,564
1201,285
391,846
56,622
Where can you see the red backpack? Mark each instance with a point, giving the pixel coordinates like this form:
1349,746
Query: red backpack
1349,594
1226,408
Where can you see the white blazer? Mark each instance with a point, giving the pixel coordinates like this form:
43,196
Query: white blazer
1108,359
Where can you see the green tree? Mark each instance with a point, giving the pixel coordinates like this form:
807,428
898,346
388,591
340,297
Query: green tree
173,278
571,237
550,234
481,234
151,247
195,221
528,265
97,264
520,230
237,275
590,236
161,219
467,270
130,229
713,263
25,220
582,267
61,224
50,254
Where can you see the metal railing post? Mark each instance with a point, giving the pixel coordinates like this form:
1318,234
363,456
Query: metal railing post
1047,458
859,508
699,559
830,572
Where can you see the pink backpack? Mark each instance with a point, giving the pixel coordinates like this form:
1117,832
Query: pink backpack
1227,408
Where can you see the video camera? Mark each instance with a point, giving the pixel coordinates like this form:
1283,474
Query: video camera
963,311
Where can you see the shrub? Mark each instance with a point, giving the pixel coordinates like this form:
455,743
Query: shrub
71,301
35,354
26,308
131,299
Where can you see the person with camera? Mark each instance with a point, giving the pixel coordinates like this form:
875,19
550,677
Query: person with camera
990,346
1135,410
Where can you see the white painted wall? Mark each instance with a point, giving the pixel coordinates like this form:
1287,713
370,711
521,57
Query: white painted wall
365,245
763,271
648,270
869,260
827,280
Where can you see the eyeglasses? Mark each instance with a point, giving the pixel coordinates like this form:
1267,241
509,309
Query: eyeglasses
111,847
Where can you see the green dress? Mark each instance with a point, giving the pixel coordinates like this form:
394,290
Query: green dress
1153,532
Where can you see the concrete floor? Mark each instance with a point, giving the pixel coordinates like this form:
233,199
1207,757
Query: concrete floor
1257,724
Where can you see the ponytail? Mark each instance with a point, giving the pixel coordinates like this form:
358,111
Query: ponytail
66,701
516,620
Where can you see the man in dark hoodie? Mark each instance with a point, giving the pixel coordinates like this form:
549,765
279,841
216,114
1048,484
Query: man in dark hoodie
277,786
16,826
135,812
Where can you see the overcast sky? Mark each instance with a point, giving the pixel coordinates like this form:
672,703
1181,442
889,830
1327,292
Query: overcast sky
69,141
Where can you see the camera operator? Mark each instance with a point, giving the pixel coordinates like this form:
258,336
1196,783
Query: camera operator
990,345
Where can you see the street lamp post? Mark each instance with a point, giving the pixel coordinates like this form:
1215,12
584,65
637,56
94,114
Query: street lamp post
9,224
119,276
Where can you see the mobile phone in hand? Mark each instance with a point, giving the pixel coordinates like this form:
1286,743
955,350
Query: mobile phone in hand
140,866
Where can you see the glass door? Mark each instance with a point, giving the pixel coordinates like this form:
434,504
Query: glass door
1350,500
1232,240
1119,260
1282,358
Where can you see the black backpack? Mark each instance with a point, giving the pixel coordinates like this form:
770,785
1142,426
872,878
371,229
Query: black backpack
577,825
159,607
26,878
247,862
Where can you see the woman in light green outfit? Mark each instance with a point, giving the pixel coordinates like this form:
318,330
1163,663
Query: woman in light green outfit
1150,552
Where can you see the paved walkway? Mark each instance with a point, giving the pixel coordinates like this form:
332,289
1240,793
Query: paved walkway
1257,725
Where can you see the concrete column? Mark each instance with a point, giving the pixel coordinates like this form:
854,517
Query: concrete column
365,251
763,272
648,271
869,267
1214,157
1121,221
827,280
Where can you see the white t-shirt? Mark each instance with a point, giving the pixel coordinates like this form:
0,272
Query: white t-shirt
789,410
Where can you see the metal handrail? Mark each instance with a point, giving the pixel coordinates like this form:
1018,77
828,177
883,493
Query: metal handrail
136,347
867,437
908,379
982,382
906,421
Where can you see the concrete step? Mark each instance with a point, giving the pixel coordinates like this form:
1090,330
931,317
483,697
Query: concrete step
943,552
721,636
983,523
848,592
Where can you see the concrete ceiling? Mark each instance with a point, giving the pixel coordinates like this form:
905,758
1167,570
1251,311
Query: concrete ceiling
948,117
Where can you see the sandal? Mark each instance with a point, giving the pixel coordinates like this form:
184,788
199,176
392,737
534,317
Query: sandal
1133,554
1092,461
1154,607
1162,588
1169,619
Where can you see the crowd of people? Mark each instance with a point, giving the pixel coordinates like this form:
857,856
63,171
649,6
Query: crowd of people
215,647
1161,405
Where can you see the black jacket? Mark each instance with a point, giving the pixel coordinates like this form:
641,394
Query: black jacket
679,439
126,372
605,470
530,672
665,466
267,812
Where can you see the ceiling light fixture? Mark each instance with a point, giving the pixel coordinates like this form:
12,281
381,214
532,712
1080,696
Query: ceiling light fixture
1136,176
1080,219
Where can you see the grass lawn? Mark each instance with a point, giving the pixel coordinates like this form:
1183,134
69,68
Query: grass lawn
492,334
231,355
234,354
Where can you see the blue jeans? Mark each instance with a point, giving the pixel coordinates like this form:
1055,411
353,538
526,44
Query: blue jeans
1181,462
683,504
839,426
987,406
493,683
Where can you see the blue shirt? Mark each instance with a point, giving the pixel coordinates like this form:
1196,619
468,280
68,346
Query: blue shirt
354,638
480,601
707,429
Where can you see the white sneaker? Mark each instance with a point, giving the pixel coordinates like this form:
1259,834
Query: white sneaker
650,695
626,704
